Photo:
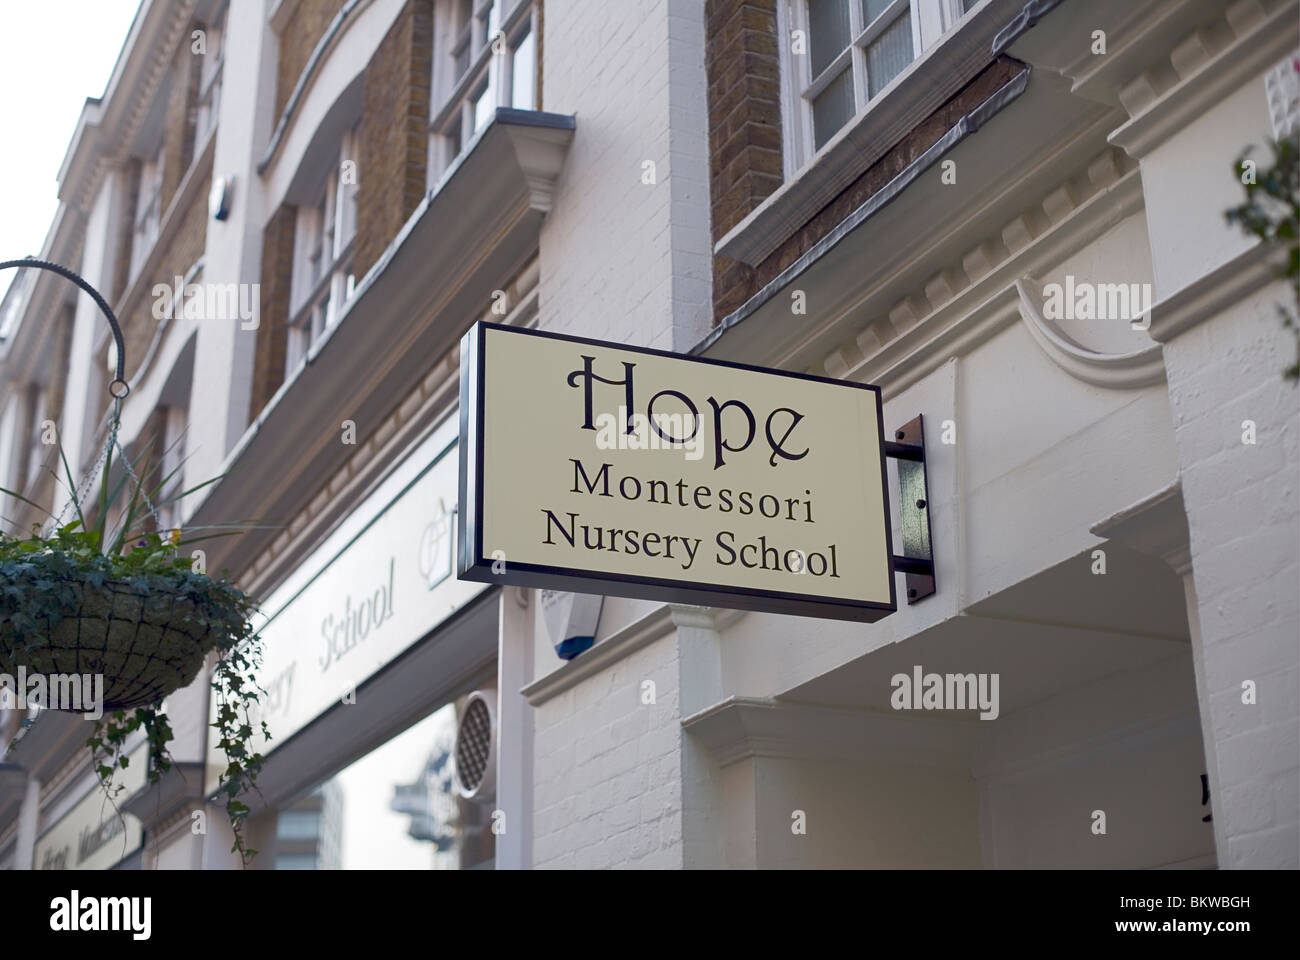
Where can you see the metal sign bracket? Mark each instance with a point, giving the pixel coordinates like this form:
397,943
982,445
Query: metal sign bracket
917,561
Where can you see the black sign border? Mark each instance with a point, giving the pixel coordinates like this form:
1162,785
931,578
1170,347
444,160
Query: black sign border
473,566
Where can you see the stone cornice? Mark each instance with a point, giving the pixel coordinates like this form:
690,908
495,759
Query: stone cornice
917,337
739,728
107,128
1214,292
1205,66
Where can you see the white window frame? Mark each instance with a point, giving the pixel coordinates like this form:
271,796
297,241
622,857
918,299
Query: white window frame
931,20
455,96
323,257
38,401
210,73
147,216
171,457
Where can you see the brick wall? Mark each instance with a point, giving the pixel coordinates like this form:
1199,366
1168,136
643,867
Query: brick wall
297,41
277,275
734,282
623,258
744,93
1243,510
182,251
394,135
608,787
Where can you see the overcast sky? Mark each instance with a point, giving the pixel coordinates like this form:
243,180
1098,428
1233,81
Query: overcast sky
53,55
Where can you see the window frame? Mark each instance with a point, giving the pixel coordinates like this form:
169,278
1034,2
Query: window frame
325,233
211,71
931,21
175,427
456,94
146,218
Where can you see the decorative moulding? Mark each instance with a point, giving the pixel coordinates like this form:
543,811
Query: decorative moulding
1116,371
107,127
1214,292
1205,68
916,337
738,728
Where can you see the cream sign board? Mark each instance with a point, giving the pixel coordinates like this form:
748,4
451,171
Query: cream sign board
378,584
599,468
94,836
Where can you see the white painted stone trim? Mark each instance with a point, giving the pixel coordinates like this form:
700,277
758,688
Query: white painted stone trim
1115,371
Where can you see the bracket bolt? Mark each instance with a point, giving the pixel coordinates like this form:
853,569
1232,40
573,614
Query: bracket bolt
920,504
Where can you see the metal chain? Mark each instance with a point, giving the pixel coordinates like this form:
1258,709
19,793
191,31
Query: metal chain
82,490
130,472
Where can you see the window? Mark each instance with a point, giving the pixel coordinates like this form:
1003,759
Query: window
298,825
324,235
171,457
851,51
491,62
214,58
295,861
523,73
148,209
396,808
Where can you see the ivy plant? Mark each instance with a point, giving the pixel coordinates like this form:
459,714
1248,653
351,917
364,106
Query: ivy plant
1271,212
38,573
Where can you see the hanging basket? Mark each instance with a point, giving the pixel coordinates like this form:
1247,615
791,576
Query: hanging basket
146,635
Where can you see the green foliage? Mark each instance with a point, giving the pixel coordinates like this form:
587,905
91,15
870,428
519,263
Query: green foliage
37,574
1272,213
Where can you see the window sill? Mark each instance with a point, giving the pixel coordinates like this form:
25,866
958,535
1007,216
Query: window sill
924,86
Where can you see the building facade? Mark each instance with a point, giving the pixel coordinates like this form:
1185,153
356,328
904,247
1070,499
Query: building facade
1008,215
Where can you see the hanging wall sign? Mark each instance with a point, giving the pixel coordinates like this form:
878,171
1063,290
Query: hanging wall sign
598,468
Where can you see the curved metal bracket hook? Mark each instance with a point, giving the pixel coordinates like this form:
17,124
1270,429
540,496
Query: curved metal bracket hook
119,388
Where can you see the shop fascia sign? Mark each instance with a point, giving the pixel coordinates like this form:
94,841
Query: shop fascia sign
378,584
600,468
95,835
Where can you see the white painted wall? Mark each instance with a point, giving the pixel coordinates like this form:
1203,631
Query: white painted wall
221,388
624,260
1243,501
608,768
630,262
859,815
